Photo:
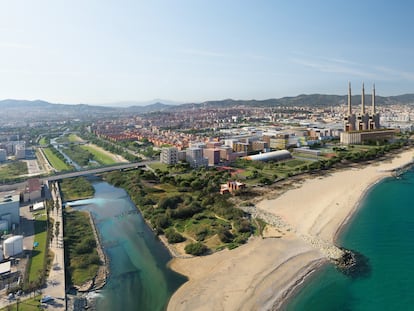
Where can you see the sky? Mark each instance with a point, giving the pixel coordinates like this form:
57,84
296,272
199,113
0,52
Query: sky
106,51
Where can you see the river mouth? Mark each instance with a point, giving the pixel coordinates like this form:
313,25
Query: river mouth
139,278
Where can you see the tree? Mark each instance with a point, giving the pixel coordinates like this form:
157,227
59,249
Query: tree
173,236
196,249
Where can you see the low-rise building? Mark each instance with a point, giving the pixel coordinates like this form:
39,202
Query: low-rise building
231,187
360,137
32,191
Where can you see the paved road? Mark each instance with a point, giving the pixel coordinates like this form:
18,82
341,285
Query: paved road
98,170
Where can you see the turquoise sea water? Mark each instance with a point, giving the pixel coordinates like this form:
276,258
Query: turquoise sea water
139,278
383,231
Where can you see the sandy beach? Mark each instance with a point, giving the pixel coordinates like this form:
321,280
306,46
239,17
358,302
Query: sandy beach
261,274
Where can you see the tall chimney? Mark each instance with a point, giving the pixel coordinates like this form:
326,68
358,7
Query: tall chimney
373,99
363,100
349,99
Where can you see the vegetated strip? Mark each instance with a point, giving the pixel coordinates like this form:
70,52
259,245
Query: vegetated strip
81,255
38,262
76,189
99,156
31,304
57,163
13,170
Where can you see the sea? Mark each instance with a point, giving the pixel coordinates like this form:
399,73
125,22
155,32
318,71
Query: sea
382,232
139,277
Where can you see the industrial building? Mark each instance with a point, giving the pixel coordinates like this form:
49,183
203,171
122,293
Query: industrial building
9,208
360,137
13,246
278,155
363,127
361,121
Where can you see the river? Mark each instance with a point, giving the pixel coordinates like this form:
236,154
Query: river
139,278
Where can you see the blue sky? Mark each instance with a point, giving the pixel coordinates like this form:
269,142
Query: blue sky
102,51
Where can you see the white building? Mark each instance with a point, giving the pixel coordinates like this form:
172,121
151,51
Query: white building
13,246
169,155
9,208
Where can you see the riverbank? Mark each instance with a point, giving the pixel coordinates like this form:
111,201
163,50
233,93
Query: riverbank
99,280
265,271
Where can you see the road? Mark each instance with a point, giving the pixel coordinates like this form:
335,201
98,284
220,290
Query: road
98,170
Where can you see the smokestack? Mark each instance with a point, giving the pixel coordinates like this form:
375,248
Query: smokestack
349,99
373,99
363,100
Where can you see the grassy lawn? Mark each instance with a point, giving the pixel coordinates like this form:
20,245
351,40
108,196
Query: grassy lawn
99,156
43,141
37,262
57,163
32,304
76,189
80,247
13,170
158,165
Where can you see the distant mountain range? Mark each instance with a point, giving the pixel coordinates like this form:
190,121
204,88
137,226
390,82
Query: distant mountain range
12,109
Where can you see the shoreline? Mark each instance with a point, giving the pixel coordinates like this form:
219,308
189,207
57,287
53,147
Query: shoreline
325,218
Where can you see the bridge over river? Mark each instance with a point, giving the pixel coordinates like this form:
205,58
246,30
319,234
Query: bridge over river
98,170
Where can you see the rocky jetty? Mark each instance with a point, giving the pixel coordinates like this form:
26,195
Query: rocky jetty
353,264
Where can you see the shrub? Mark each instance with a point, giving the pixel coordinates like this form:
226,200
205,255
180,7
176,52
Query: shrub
173,236
196,249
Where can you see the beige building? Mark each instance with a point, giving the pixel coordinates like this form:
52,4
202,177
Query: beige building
360,137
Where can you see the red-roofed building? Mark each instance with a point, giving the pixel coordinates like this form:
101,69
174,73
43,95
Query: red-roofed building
33,190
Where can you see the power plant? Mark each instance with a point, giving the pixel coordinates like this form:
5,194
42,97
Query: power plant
361,121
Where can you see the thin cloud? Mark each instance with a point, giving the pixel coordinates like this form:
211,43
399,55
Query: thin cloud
203,53
333,67
14,45
396,73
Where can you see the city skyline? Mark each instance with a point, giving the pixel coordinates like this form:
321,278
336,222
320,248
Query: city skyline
192,51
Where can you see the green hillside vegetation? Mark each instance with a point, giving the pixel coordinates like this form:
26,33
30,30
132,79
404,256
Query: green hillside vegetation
187,207
81,255
56,159
76,189
12,170
99,156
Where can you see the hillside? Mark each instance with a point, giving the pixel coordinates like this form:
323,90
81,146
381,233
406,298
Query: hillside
34,111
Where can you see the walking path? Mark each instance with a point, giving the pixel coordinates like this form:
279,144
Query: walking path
56,281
